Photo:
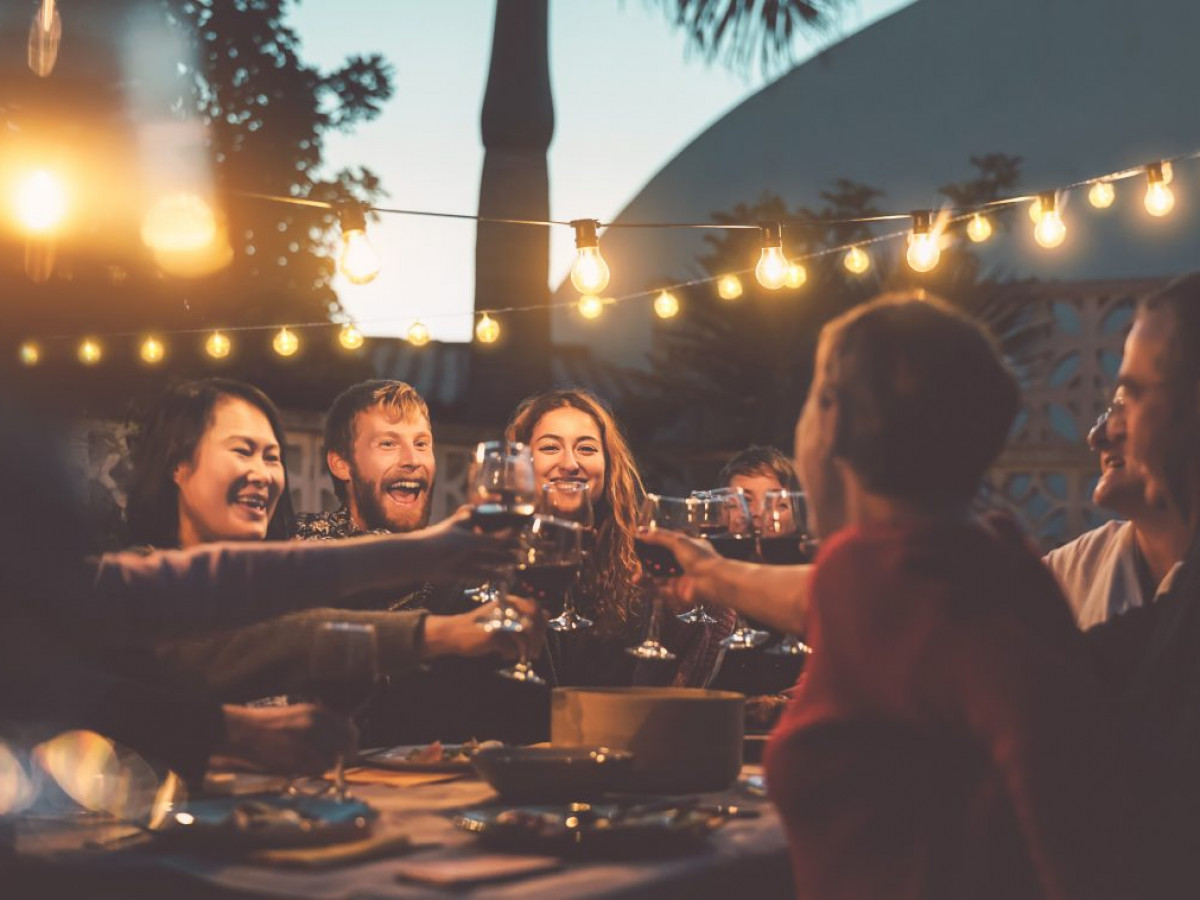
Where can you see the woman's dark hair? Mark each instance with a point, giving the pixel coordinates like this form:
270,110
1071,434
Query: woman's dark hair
167,436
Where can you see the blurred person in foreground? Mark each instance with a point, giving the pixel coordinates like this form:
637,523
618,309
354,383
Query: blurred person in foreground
1130,561
948,738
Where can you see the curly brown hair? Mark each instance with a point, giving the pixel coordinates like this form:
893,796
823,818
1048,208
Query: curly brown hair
608,580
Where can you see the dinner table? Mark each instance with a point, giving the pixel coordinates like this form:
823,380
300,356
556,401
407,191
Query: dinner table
415,850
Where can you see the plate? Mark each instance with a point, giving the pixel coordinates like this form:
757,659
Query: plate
268,820
413,757
552,774
599,830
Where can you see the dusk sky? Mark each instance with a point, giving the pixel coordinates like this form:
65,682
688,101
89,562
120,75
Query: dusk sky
628,96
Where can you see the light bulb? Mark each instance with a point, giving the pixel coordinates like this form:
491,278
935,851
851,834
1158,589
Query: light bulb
590,272
487,330
1160,199
1050,230
89,352
30,354
1102,194
979,229
418,335
729,287
856,260
772,267
152,351
797,275
923,251
217,346
666,305
1168,171
590,306
40,202
1035,210
179,223
45,33
358,260
350,337
285,343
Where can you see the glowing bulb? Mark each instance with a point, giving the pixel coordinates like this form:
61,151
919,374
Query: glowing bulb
418,335
152,351
590,307
350,337
729,287
923,251
179,223
1050,230
89,352
358,260
979,229
487,330
590,272
797,275
217,346
40,202
30,354
285,343
772,268
1160,199
666,305
1035,210
856,260
45,33
1102,194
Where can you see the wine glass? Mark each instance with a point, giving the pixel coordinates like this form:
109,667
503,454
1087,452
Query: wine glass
343,670
503,492
551,553
783,541
571,501
659,563
723,517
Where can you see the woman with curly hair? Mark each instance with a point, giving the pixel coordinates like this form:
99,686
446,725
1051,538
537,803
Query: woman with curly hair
574,437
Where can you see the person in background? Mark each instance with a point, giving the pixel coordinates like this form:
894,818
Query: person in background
949,738
1128,562
573,436
755,471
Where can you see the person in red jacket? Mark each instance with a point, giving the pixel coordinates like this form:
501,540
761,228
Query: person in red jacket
948,738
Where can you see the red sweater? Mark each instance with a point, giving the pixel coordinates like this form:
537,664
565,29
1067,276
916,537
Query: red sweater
947,739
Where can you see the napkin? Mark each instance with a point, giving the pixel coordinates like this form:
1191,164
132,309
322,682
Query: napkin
391,778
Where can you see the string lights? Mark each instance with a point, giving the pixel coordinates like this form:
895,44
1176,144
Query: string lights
40,204
590,272
772,268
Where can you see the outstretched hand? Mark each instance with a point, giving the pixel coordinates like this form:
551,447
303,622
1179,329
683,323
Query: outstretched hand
697,558
461,635
455,551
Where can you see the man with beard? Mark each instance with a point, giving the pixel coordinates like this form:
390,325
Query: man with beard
379,450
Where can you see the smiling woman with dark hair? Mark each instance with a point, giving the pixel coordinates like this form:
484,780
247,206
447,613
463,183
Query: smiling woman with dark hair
208,465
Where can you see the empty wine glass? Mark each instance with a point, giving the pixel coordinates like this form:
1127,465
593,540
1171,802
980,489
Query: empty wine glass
343,670
551,553
658,563
571,501
503,492
783,541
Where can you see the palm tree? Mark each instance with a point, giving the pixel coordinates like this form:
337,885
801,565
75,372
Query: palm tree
512,262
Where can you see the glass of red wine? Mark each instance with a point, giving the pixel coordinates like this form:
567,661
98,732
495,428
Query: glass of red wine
730,529
571,501
504,494
658,563
783,541
343,674
551,553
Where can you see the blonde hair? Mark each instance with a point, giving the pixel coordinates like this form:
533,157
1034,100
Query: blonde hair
609,576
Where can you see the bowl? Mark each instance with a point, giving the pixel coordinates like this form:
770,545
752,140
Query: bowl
683,740
552,774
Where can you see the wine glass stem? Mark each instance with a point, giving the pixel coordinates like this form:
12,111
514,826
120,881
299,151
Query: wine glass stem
656,606
339,778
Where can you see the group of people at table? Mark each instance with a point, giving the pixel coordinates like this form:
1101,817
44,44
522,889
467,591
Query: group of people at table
973,721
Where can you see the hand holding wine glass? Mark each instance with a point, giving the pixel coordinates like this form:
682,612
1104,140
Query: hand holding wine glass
659,564
343,669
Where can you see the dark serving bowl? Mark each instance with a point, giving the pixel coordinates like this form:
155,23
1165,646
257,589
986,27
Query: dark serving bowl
548,774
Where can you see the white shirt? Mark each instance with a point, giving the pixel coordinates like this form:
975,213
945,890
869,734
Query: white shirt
1098,573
